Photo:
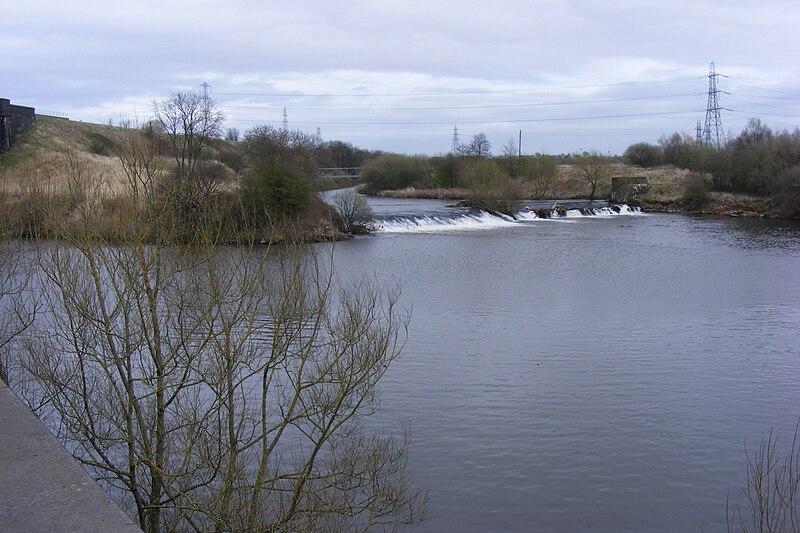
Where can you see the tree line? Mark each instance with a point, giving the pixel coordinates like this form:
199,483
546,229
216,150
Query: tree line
757,161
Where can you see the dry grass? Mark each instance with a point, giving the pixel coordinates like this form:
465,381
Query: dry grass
666,184
44,153
435,194
64,177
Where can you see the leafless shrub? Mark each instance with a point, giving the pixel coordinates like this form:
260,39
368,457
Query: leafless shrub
221,389
354,210
772,490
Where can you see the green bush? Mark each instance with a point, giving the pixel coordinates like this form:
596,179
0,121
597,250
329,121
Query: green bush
100,144
393,171
266,147
787,192
275,189
750,163
540,172
643,155
445,172
489,185
695,191
277,181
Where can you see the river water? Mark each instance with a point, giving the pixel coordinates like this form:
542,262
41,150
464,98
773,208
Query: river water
586,373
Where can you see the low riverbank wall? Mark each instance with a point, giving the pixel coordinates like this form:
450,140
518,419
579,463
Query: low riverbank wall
42,488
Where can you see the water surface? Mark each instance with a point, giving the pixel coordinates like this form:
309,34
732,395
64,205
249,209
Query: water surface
587,373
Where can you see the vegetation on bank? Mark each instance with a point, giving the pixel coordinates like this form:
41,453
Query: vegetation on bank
173,173
262,182
758,163
757,173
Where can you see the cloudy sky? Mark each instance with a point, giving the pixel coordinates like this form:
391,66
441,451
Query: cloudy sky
401,75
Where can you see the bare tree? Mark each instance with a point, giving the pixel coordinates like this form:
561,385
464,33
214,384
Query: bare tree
232,134
17,308
510,159
596,169
142,161
220,389
479,146
354,210
772,493
189,120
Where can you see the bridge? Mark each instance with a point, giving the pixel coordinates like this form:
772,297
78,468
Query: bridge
340,172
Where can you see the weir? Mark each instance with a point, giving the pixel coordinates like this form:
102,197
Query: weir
473,219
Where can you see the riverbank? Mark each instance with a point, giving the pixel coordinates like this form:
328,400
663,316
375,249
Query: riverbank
42,488
720,204
668,192
80,179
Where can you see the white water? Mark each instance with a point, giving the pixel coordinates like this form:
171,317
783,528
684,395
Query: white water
483,220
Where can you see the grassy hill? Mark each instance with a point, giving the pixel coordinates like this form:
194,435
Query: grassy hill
63,173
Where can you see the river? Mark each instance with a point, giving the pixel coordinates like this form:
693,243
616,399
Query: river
586,373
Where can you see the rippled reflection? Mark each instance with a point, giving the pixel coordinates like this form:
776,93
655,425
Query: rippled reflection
601,375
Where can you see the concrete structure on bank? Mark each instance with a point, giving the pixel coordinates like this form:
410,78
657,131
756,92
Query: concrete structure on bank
42,488
624,189
13,119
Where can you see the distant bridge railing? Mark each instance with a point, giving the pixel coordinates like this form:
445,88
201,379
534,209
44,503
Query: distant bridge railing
56,114
340,172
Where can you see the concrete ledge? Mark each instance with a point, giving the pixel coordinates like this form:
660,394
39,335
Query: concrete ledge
42,488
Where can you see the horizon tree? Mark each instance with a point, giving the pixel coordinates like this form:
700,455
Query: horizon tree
479,146
596,169
511,156
190,120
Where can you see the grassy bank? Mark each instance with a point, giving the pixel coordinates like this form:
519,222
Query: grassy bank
64,176
670,190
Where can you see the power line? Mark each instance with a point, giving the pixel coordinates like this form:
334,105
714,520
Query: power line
745,114
482,106
455,93
494,121
765,105
795,97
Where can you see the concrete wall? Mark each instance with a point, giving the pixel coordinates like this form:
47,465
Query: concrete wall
42,488
13,119
623,189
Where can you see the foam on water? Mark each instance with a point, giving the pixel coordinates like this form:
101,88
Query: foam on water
433,224
486,221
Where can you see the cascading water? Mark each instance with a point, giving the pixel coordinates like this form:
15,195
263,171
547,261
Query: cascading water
473,220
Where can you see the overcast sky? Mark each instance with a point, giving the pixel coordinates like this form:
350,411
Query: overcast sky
399,75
